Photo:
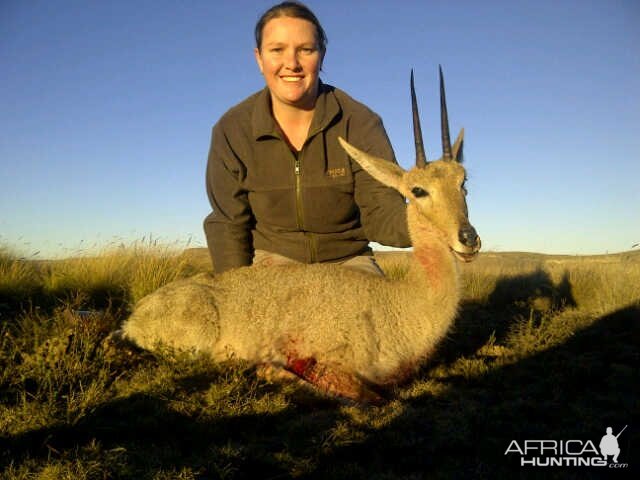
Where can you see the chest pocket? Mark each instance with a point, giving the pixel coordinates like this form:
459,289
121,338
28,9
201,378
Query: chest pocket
328,191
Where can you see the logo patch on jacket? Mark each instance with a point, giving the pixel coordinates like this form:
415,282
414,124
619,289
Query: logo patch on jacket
337,172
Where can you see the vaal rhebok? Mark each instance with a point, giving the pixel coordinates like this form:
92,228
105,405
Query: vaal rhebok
347,333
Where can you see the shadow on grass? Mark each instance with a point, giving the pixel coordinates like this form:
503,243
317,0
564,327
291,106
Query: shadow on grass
152,436
571,391
515,298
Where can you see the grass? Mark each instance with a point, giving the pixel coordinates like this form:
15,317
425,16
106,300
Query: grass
544,348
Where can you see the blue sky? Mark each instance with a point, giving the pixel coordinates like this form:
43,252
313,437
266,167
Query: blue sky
107,108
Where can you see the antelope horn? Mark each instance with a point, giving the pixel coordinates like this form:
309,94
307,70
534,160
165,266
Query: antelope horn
421,156
444,120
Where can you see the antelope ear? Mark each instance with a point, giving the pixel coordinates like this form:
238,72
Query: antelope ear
382,170
457,147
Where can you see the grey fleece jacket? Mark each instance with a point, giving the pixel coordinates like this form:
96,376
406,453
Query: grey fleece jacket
316,205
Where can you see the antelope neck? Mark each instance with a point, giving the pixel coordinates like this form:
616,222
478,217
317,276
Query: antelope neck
434,261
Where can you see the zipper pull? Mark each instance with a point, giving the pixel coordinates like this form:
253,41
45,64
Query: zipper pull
297,167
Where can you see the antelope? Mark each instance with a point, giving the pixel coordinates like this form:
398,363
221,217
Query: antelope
345,333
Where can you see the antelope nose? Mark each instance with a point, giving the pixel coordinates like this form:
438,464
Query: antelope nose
468,236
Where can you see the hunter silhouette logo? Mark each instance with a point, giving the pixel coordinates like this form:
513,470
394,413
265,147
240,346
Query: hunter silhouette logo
569,453
609,444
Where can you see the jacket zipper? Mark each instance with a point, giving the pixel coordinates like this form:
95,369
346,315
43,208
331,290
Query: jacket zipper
311,248
299,217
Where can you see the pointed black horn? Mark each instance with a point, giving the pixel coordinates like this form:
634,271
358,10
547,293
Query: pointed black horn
444,120
421,156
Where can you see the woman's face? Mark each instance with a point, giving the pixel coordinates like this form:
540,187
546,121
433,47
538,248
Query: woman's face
290,61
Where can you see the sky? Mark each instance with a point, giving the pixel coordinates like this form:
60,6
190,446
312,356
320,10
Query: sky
106,110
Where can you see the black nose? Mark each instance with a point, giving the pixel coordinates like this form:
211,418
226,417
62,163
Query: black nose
468,236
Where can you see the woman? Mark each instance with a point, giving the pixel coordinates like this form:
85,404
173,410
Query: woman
281,187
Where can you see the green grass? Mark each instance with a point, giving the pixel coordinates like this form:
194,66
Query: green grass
543,348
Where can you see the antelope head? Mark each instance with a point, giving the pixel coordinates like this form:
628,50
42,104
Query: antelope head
435,190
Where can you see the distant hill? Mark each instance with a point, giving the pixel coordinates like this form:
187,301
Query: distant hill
200,257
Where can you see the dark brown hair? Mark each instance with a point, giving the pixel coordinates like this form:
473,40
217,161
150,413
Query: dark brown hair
293,10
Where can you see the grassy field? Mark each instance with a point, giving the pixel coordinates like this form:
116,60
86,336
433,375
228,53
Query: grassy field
544,348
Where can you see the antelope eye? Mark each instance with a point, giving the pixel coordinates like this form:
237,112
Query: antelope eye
419,192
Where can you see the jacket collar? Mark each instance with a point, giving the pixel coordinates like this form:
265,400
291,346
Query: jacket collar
264,125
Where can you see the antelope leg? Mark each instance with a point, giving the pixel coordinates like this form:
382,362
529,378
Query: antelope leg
272,372
333,380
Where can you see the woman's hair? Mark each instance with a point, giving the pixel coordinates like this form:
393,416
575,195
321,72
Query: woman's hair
293,10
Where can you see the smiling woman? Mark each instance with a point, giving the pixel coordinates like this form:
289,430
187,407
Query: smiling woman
281,188
290,62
